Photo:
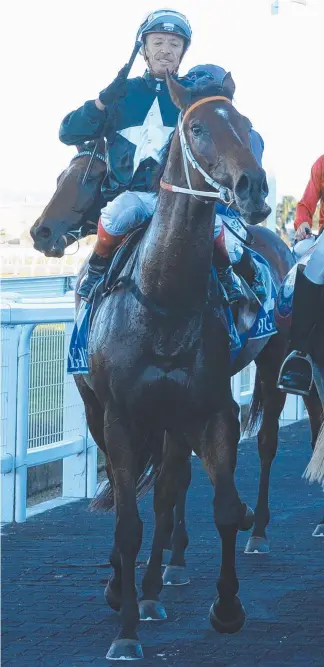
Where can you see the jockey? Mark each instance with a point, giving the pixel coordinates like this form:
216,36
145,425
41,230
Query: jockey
143,117
296,374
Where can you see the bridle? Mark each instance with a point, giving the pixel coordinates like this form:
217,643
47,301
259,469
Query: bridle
222,194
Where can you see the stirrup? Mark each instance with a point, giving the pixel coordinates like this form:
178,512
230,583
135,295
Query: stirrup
296,374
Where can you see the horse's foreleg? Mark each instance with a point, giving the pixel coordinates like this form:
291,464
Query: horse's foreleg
218,449
175,572
268,364
314,408
128,534
166,490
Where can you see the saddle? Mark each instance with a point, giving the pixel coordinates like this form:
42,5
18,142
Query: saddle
119,260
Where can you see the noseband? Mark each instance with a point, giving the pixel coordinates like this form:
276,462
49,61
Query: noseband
222,194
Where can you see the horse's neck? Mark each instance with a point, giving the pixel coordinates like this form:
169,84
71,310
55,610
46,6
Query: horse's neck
177,252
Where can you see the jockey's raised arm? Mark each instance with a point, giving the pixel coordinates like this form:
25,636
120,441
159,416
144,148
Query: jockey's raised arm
82,125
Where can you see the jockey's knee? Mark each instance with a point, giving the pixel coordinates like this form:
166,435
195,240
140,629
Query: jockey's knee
124,214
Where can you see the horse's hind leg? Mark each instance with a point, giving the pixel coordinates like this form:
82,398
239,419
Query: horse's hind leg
93,410
175,573
314,408
175,463
268,365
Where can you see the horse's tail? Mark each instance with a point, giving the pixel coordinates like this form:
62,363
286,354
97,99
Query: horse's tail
105,500
315,469
256,407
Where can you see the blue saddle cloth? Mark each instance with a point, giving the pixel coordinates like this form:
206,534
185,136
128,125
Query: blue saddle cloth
263,326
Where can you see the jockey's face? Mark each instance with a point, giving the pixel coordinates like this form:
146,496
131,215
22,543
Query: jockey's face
163,52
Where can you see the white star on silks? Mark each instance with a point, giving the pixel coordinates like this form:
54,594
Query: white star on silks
150,137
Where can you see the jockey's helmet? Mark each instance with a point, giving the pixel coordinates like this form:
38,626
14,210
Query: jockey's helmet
166,20
205,73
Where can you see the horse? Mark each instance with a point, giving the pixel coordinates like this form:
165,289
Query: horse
72,213
160,365
84,202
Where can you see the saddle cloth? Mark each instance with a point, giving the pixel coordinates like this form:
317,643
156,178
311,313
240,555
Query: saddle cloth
302,252
252,321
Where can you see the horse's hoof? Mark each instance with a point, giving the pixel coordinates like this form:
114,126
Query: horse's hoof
257,545
151,610
112,599
225,622
125,649
165,557
248,520
319,530
175,575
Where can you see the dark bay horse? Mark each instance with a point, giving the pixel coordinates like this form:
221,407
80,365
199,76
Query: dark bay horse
83,201
72,213
160,368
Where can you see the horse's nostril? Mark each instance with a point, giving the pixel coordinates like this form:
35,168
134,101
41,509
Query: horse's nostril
44,232
242,187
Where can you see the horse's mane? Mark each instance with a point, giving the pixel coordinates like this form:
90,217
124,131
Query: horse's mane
89,145
197,91
159,169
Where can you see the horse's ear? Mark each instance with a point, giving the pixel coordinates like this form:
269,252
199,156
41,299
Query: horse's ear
180,95
228,84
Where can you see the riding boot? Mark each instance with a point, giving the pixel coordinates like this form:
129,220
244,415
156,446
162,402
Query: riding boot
98,262
96,268
226,275
252,274
296,373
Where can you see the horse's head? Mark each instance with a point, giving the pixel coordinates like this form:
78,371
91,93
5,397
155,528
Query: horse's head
219,140
67,216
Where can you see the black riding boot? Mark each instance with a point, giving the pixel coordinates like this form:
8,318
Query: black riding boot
252,274
231,284
296,373
95,270
226,275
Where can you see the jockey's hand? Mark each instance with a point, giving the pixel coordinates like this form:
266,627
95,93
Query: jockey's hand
303,231
117,89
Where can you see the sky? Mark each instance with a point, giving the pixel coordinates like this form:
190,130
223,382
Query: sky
56,55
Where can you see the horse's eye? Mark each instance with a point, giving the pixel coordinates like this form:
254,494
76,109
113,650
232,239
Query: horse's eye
196,130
